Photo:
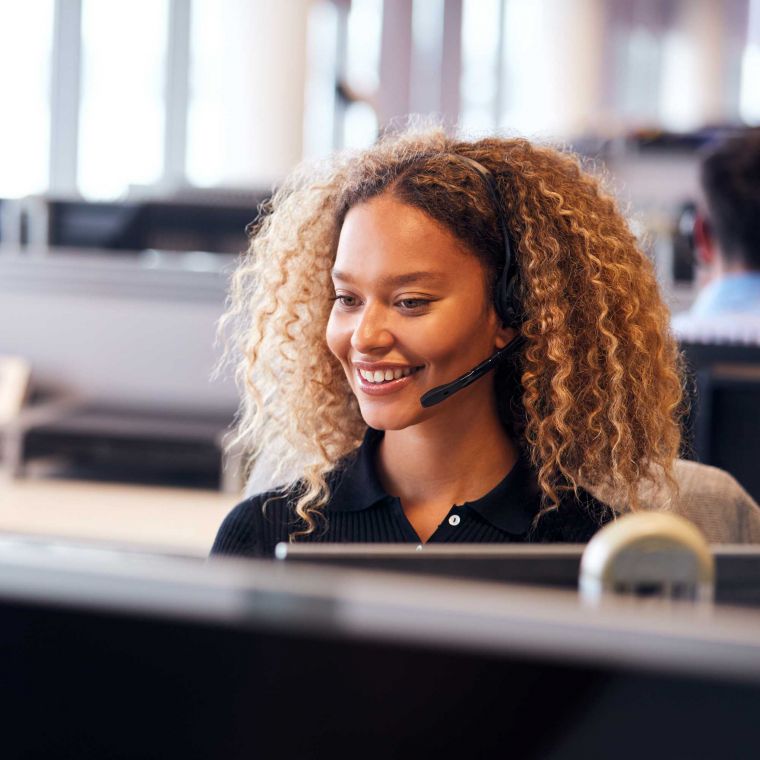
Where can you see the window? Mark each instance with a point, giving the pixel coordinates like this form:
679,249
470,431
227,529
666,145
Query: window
26,35
121,133
365,24
749,98
480,64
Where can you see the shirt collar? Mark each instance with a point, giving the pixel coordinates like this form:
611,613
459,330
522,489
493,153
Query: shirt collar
513,503
510,506
730,293
357,486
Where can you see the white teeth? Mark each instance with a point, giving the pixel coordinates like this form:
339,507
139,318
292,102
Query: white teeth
384,376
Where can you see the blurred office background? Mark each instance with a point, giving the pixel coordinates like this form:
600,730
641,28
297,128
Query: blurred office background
138,138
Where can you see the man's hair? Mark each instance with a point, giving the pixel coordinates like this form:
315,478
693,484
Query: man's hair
731,183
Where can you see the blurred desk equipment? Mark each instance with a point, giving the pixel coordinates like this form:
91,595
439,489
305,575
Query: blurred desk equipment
210,222
122,351
737,568
648,554
90,550
180,447
12,222
723,426
727,428
167,658
719,338
14,387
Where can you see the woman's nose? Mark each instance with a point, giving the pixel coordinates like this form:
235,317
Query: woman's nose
371,331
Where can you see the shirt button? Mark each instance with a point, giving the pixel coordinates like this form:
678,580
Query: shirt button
454,520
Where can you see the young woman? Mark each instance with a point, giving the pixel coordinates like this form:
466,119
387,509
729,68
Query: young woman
387,274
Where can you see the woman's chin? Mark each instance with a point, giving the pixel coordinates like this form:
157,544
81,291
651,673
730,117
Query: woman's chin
390,419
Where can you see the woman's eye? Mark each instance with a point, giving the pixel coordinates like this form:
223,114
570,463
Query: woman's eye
413,304
347,302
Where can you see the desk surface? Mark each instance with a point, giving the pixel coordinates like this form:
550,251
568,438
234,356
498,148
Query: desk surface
721,642
175,519
153,657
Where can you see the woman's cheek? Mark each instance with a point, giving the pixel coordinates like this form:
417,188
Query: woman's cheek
338,338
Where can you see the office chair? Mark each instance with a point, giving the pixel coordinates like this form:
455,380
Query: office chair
707,496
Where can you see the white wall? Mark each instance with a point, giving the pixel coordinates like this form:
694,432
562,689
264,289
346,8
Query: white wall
113,331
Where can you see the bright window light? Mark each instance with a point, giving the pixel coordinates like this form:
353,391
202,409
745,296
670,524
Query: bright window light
209,88
319,111
749,104
360,126
365,21
480,67
121,134
427,34
25,48
527,68
679,107
749,94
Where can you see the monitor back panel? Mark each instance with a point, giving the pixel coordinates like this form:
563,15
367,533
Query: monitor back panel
737,567
92,684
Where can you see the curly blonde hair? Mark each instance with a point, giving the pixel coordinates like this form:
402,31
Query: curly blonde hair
597,395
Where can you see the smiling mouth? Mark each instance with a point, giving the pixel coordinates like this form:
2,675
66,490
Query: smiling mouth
380,377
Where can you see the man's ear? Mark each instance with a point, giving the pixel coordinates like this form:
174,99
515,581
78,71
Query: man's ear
704,242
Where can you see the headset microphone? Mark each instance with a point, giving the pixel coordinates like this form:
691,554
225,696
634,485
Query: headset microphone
506,300
442,392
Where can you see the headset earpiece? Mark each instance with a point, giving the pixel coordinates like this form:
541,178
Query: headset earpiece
506,299
507,302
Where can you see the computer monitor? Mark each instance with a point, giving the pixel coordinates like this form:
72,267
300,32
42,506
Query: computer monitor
545,565
700,356
705,365
727,428
161,225
555,566
116,225
167,658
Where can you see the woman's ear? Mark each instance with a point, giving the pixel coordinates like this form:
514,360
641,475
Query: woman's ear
504,336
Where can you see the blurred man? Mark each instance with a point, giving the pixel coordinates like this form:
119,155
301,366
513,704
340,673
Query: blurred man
727,233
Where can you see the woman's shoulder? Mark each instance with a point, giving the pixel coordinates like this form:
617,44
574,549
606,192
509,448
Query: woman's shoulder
575,519
256,525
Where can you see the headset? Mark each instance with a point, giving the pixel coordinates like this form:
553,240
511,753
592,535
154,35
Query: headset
506,300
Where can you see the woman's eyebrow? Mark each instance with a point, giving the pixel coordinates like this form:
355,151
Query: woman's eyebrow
395,280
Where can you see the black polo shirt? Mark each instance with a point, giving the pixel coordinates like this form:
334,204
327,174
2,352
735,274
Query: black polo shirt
361,511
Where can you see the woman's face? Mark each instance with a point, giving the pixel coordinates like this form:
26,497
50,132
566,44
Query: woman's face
411,313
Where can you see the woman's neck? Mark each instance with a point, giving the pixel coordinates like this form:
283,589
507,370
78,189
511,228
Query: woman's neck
449,459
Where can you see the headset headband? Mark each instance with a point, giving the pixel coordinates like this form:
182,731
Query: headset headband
506,301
